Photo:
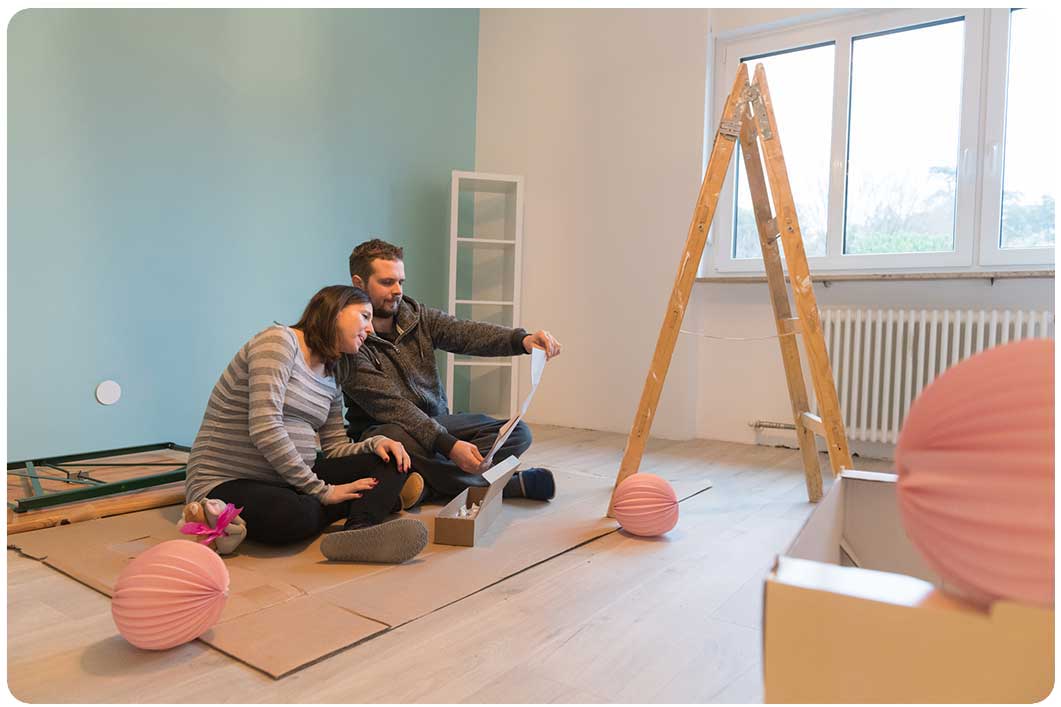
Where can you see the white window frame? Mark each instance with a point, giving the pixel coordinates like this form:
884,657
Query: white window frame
996,79
981,123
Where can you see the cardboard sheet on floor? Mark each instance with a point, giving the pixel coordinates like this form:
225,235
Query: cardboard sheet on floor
289,607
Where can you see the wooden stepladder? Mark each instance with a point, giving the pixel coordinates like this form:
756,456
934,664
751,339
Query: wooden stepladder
748,116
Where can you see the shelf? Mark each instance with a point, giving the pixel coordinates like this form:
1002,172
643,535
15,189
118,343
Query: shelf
484,241
488,184
497,303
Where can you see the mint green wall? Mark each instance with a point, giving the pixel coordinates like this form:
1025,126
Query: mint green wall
178,179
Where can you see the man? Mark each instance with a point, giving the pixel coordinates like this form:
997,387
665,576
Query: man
392,387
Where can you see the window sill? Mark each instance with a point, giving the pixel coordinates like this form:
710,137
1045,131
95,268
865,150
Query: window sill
827,279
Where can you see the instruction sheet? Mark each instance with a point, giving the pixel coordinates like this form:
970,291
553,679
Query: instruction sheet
537,366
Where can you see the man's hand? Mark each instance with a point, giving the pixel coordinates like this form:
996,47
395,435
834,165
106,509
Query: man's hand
346,492
466,456
543,340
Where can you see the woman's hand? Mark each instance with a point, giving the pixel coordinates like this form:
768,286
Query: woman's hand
389,447
346,492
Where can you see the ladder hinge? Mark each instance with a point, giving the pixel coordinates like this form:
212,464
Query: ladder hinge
730,129
752,96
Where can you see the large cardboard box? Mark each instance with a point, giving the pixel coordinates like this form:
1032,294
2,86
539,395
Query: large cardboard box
853,614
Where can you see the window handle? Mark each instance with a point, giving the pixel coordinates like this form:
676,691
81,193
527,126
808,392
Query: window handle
994,162
965,164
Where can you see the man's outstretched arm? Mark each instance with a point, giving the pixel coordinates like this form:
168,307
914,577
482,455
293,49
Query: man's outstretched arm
470,338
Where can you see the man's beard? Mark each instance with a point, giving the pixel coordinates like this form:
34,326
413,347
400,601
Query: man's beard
388,309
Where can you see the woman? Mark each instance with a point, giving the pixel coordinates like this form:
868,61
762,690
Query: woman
257,448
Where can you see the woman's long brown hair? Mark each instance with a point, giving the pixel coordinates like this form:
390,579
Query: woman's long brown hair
318,322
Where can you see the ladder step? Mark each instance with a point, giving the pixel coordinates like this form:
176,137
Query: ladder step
790,325
813,423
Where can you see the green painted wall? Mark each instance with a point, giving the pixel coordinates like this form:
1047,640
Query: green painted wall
178,179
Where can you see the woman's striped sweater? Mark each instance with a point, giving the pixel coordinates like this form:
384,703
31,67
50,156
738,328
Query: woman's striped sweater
263,418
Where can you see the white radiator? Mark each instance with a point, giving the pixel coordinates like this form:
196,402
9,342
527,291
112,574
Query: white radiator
882,358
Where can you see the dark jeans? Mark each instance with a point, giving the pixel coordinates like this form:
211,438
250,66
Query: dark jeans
278,515
441,475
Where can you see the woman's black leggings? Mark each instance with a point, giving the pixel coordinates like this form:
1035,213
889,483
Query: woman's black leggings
279,514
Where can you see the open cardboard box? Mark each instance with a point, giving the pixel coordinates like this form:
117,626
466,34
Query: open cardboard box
453,529
851,613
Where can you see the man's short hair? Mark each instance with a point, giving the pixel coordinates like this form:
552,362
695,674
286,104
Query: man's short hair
362,256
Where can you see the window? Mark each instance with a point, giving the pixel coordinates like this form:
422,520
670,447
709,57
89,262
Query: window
801,86
1017,169
902,155
1027,184
912,141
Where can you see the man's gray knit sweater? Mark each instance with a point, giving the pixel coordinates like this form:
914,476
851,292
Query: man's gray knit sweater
397,381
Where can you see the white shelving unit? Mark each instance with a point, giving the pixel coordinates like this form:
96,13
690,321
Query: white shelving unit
486,242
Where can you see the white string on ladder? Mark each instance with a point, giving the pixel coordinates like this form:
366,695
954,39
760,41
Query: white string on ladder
735,338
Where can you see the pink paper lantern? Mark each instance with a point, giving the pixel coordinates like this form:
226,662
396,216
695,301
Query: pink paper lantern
169,594
976,474
645,504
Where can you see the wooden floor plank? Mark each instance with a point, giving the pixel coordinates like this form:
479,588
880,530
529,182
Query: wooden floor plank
621,619
747,688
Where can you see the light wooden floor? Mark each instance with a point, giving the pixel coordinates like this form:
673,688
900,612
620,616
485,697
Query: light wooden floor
621,619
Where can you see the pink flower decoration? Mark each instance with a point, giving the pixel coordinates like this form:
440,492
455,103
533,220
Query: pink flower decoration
210,534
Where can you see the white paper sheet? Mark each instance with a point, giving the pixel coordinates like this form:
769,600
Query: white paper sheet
537,366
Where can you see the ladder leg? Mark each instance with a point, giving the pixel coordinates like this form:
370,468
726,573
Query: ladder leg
775,278
799,274
717,166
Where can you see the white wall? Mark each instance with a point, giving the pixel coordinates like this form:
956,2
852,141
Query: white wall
603,112
726,22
